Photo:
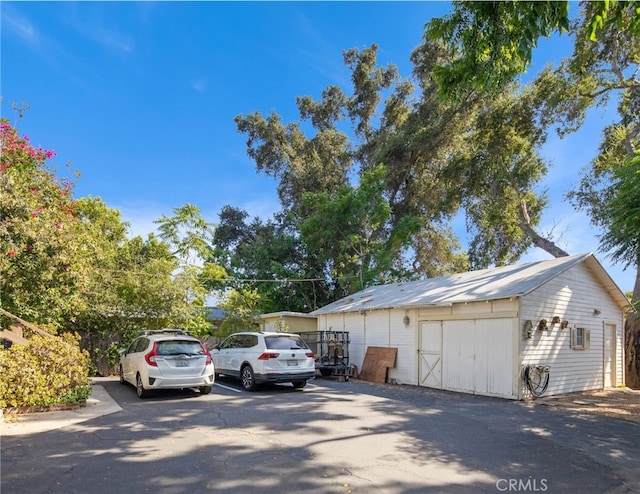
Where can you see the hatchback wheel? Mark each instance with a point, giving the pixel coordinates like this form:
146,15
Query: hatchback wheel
121,372
299,384
142,393
248,379
205,390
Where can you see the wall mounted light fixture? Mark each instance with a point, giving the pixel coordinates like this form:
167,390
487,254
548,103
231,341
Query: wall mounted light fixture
596,312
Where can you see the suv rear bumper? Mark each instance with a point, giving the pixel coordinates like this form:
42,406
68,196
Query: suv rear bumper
275,377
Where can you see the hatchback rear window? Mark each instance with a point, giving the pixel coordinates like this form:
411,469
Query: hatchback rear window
285,342
179,347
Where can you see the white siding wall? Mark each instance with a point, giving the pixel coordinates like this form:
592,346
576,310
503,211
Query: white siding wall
383,328
405,339
353,322
475,310
572,296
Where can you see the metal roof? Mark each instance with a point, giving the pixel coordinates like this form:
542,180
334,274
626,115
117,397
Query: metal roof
216,313
487,284
284,314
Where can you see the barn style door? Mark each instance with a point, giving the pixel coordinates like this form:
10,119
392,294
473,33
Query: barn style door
430,355
477,356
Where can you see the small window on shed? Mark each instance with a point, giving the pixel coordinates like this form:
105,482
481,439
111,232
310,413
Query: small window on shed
580,338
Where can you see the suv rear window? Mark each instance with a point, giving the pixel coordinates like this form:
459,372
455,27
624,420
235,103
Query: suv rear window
179,347
284,342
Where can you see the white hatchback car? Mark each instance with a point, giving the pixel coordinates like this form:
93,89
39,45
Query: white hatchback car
262,357
166,359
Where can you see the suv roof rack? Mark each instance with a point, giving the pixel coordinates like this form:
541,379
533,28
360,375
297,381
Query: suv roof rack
146,332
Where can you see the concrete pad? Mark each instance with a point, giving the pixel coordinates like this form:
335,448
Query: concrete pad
99,403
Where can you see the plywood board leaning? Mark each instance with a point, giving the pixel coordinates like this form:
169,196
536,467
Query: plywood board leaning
376,362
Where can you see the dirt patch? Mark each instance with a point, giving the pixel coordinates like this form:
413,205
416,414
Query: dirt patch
621,403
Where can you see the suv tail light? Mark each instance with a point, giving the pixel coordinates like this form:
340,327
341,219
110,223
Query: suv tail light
310,354
151,356
268,355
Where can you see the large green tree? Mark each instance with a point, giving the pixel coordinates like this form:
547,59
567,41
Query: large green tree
125,285
321,162
492,42
602,72
191,238
496,174
602,69
68,264
268,264
344,229
622,213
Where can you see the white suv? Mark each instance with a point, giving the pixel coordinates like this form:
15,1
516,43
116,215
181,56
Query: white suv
166,359
257,357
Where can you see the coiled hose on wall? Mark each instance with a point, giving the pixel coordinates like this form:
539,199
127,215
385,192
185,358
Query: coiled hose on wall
536,378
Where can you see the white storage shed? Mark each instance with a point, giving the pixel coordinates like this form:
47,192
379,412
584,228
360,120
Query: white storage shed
477,332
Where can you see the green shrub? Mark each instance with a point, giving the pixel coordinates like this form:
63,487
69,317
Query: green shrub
49,371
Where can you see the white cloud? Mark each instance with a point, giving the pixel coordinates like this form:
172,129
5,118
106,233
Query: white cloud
264,207
199,85
112,40
141,217
20,26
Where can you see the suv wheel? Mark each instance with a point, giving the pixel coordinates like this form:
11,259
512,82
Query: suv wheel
248,379
142,393
299,384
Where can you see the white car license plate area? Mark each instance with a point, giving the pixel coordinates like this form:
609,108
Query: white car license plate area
292,363
182,363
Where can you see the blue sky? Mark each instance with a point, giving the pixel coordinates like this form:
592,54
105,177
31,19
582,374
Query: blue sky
140,97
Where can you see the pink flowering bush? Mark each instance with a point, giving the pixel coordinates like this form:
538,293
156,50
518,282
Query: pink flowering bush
37,239
13,146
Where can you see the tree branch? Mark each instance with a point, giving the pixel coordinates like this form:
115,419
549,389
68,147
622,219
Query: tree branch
538,241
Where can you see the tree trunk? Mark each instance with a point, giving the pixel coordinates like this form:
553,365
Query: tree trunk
543,243
538,241
632,340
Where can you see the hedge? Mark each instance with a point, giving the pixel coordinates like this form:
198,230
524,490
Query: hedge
51,370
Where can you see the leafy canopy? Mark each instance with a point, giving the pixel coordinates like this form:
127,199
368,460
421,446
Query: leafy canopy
492,42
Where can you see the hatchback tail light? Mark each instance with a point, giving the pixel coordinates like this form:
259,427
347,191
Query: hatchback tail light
268,355
151,356
209,359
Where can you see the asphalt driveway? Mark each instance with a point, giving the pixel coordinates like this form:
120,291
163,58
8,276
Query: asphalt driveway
330,437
